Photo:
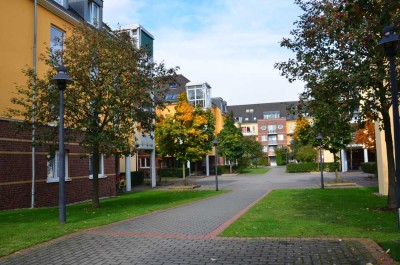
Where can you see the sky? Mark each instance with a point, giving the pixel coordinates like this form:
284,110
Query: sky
230,44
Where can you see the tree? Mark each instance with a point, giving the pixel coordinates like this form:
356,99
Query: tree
335,47
366,136
230,140
281,155
111,96
188,135
252,148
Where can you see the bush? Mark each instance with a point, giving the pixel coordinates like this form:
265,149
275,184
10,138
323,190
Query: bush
172,172
311,167
137,178
369,167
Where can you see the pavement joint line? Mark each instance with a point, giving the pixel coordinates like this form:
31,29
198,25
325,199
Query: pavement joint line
222,227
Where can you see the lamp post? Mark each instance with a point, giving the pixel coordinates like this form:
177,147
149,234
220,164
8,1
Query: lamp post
61,79
319,139
216,143
390,42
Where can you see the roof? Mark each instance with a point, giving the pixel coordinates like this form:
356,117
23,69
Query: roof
176,88
137,26
198,83
256,112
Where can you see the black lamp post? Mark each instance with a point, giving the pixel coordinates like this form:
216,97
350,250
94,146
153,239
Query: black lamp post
390,42
61,79
216,143
319,139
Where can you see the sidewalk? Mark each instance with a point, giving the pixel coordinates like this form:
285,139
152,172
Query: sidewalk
189,235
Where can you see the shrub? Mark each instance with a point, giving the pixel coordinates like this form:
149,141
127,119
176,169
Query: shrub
137,178
172,172
330,167
369,167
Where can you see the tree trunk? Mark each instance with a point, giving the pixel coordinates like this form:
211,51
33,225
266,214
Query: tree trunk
391,202
95,193
230,166
184,174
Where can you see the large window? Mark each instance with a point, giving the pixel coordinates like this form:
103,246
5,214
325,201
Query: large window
271,115
271,128
56,45
53,165
94,13
196,96
144,162
101,166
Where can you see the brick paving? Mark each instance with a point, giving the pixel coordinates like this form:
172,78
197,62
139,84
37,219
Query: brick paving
188,235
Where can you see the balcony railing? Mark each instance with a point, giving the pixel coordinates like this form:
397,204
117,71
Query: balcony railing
272,142
249,133
271,131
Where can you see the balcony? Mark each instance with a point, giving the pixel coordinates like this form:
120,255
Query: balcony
272,142
249,133
271,131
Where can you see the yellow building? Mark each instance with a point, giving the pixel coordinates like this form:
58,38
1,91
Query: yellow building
29,28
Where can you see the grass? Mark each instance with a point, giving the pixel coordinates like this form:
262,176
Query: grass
253,170
20,229
336,213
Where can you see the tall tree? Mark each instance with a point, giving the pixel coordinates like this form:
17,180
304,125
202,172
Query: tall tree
111,95
335,46
366,136
230,140
188,135
252,148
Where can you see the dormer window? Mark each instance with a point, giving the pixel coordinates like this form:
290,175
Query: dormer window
94,14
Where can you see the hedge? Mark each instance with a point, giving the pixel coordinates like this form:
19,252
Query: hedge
369,167
172,172
311,167
137,178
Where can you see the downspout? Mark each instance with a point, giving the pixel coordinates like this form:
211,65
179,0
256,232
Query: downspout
34,105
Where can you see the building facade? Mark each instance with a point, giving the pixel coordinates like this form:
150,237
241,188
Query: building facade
28,175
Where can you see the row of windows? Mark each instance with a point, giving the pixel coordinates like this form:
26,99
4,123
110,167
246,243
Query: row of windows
273,138
53,166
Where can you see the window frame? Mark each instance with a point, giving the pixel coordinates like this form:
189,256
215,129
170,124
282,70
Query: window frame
55,161
101,166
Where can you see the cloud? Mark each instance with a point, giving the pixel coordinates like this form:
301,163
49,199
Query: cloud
231,44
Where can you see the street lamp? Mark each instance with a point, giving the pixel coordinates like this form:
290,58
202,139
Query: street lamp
319,139
216,143
390,42
61,79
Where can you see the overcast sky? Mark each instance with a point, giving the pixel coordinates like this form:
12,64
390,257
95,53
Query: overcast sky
230,44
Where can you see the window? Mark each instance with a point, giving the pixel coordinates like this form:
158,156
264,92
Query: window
196,96
280,126
101,166
94,13
271,115
52,167
280,137
173,85
263,138
263,128
246,119
271,128
145,162
59,1
56,45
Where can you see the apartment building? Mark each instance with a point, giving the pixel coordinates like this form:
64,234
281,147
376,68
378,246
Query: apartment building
28,175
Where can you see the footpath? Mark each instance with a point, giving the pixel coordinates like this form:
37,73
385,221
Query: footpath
189,234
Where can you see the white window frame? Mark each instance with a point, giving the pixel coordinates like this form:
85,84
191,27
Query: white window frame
94,8
52,167
101,167
145,159
56,48
281,137
264,138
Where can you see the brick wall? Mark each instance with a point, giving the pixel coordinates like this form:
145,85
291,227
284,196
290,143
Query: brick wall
16,173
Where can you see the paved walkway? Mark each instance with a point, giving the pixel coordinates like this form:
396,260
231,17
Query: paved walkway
188,234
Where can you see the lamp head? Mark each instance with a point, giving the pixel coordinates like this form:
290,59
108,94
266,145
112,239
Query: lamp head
61,78
390,41
216,143
319,137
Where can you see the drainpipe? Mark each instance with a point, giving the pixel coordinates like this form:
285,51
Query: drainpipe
34,105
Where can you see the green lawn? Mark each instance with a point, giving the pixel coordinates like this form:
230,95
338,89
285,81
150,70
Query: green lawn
20,229
321,213
259,170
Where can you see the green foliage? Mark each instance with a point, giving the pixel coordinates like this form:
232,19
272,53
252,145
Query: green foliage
336,55
311,167
230,140
109,100
281,155
172,172
137,178
317,213
253,150
306,153
369,167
